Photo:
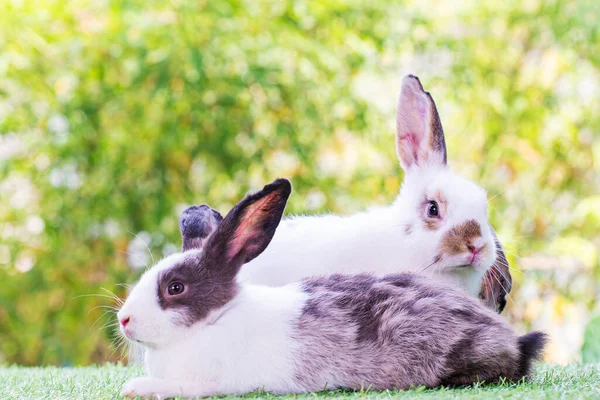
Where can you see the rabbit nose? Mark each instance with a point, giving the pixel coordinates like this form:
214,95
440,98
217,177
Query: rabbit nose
474,249
124,321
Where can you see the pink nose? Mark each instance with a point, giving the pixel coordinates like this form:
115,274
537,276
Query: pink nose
474,250
124,321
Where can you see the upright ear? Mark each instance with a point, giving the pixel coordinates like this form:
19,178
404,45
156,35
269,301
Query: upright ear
196,224
419,133
497,282
248,228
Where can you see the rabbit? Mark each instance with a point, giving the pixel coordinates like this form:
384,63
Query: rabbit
207,333
437,226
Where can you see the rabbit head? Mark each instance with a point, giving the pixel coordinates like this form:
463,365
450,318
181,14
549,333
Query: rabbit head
445,212
194,286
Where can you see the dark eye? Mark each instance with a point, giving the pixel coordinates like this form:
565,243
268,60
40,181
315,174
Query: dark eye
175,288
433,210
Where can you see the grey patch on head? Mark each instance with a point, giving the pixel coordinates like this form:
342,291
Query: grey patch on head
205,289
397,331
408,229
196,224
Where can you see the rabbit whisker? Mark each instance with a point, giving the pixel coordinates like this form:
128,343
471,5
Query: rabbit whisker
135,256
433,262
508,296
147,248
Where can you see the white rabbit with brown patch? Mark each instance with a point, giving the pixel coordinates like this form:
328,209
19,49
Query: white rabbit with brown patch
437,225
207,333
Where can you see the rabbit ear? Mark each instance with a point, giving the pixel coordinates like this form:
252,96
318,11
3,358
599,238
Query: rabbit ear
419,133
497,282
196,223
248,228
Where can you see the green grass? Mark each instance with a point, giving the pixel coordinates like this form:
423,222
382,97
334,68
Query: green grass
549,382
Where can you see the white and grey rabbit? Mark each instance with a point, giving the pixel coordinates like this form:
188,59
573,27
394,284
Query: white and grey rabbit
206,333
437,226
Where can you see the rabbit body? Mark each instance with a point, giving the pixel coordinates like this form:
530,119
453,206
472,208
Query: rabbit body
207,333
341,331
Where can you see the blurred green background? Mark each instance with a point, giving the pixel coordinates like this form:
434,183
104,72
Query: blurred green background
115,115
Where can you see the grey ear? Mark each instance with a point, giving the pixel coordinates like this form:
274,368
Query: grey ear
419,134
248,228
497,282
196,224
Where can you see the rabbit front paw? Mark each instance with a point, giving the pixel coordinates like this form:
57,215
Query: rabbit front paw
148,388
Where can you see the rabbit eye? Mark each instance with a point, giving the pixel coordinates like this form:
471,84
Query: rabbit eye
433,210
175,288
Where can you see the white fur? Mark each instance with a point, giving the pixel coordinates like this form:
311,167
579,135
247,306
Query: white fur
376,240
244,346
149,323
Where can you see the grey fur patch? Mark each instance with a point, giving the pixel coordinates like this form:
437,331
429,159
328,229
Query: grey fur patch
437,140
206,288
400,330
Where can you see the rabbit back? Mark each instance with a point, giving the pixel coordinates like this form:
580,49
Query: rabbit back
396,332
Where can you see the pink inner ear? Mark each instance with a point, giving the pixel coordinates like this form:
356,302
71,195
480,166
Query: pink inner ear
412,124
422,109
412,142
243,234
240,240
411,137
247,231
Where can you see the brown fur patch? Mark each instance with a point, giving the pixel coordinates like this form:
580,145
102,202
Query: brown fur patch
456,240
441,199
431,224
